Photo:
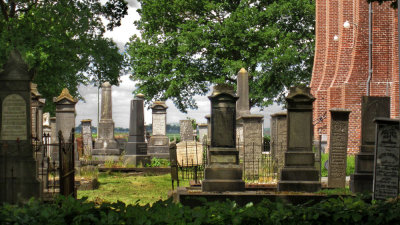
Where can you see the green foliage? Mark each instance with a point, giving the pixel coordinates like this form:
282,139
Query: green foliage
349,169
62,42
158,162
393,2
186,45
331,211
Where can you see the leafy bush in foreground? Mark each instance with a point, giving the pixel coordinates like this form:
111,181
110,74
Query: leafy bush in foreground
332,211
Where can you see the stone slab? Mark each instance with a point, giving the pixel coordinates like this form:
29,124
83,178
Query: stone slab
189,153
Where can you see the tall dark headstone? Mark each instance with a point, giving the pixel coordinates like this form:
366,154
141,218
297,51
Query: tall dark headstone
136,147
386,164
18,169
158,145
278,139
223,172
338,148
371,107
106,147
299,173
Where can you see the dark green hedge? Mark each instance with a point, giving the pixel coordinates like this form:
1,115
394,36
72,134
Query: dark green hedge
332,211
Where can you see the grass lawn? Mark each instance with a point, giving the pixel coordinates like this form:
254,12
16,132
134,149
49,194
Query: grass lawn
131,188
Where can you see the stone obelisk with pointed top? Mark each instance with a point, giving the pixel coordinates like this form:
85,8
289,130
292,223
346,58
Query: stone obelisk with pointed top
106,145
242,105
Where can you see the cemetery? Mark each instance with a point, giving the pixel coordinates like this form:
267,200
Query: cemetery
330,155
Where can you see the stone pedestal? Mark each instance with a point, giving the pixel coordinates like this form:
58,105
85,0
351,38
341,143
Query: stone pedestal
386,164
299,173
278,139
223,172
252,126
18,169
158,145
338,148
136,147
186,130
371,107
106,147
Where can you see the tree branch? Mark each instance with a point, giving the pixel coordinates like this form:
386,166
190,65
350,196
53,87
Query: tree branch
4,9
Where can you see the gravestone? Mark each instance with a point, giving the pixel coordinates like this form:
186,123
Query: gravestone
106,147
223,172
299,172
242,105
53,139
371,107
189,153
208,118
203,130
252,126
338,148
158,145
386,164
186,130
18,169
87,140
37,104
136,147
278,139
65,117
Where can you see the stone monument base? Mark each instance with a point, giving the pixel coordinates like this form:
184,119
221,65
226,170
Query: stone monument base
158,146
362,179
221,179
136,148
136,160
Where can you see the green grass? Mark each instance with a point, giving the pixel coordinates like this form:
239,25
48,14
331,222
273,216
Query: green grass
129,188
336,191
349,168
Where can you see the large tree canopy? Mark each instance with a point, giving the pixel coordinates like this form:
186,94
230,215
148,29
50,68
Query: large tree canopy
187,45
393,4
62,41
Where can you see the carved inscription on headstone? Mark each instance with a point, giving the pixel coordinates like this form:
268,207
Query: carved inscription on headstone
386,177
223,131
159,124
14,119
338,154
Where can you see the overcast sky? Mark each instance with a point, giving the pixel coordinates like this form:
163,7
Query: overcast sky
122,94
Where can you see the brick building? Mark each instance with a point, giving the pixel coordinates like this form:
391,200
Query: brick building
341,63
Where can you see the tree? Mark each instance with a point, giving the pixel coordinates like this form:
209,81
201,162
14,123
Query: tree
393,5
62,41
187,45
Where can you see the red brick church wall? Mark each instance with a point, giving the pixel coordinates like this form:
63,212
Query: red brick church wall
340,67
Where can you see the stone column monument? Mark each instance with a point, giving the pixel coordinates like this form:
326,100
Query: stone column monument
37,104
278,139
338,148
299,173
371,107
158,145
386,164
223,172
87,140
18,170
136,147
186,130
242,105
106,147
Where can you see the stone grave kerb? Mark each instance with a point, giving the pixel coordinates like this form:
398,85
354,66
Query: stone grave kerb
18,171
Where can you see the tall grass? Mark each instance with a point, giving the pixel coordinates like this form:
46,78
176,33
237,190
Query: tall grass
349,169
